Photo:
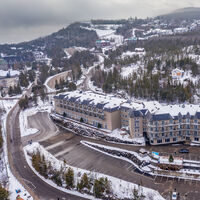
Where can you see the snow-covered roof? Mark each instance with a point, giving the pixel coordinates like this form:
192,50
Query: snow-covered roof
108,102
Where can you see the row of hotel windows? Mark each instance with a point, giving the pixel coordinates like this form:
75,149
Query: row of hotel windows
180,133
174,128
167,140
85,120
174,122
80,106
99,115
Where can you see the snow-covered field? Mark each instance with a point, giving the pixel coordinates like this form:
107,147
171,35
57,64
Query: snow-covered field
121,189
13,183
129,70
9,72
108,33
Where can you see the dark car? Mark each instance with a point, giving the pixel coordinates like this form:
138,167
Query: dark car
183,151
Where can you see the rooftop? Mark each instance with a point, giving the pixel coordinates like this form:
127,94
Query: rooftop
111,102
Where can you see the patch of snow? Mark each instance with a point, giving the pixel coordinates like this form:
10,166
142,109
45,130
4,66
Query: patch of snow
9,72
122,135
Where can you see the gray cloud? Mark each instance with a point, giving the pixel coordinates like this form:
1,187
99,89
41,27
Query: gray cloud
22,20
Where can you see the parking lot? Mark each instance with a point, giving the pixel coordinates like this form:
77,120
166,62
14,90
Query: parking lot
66,146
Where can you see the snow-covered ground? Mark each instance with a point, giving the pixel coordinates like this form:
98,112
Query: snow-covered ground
108,33
13,183
9,72
121,189
23,117
122,135
128,71
139,52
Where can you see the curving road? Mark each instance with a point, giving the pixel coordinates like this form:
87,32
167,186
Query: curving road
46,128
39,189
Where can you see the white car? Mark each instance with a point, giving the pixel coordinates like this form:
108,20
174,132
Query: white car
174,196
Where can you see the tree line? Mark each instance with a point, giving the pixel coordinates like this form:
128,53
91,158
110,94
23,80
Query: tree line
146,86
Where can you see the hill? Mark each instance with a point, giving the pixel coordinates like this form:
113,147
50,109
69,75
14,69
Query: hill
188,13
73,35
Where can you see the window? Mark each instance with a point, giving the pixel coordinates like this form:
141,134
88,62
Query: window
195,133
167,140
196,139
159,141
187,138
174,139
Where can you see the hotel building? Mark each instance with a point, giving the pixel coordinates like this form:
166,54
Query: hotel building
160,124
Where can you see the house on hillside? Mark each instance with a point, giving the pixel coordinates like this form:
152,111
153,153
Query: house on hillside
102,43
177,73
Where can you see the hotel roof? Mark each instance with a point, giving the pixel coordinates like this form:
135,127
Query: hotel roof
109,103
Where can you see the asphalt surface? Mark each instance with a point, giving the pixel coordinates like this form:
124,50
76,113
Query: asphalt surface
47,128
20,168
66,146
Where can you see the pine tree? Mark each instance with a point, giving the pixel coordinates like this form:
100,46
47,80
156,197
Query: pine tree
69,178
84,183
10,91
3,193
1,138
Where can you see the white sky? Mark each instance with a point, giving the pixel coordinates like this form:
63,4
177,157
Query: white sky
22,20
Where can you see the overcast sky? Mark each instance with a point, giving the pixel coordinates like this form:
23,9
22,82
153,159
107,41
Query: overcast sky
22,20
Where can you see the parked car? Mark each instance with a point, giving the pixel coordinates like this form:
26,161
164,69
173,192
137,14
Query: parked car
183,151
174,196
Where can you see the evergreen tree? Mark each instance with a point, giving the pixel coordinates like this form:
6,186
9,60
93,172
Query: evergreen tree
3,193
1,138
69,178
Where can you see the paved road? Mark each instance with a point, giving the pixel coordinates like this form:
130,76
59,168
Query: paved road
39,189
66,146
47,128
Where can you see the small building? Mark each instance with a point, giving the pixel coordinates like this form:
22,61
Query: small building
180,30
177,73
102,43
